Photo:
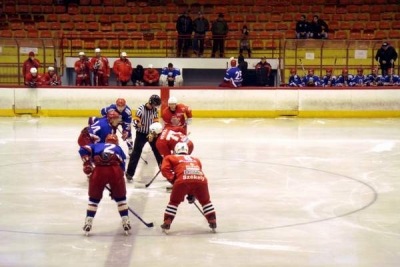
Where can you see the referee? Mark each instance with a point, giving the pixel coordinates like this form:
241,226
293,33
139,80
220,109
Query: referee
146,114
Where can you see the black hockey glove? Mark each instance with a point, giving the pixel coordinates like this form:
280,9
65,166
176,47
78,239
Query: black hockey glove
191,199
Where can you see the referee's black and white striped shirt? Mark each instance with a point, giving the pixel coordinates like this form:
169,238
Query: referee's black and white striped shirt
146,117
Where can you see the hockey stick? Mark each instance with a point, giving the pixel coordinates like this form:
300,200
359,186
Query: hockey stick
136,215
302,67
198,208
152,180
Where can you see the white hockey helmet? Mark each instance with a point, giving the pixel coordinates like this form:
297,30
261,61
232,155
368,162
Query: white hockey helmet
181,148
123,54
50,68
97,50
172,100
156,128
33,70
81,54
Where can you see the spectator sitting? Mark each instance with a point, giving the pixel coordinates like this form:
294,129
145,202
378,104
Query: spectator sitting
244,42
137,76
170,76
318,28
302,28
151,76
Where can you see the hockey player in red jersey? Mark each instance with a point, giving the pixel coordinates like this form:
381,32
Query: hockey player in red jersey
186,175
168,138
50,78
82,69
105,164
101,69
33,79
30,63
176,114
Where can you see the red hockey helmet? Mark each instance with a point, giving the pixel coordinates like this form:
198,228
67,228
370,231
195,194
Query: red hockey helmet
360,70
233,63
310,71
111,115
121,102
345,71
292,71
112,139
329,70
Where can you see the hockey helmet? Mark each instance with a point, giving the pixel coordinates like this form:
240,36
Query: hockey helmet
112,115
97,50
50,68
112,139
81,54
292,71
33,70
390,71
233,63
155,100
310,71
172,100
123,54
156,128
345,71
181,148
360,70
329,70
121,102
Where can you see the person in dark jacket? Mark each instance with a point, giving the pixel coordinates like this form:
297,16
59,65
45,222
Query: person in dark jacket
219,31
263,72
386,56
200,27
184,27
318,28
137,76
302,28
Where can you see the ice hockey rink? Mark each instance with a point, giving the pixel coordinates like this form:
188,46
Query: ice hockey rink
287,192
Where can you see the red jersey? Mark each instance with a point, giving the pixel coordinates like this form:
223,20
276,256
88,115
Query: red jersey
101,66
82,68
123,70
183,169
168,139
28,64
52,80
151,76
177,117
33,81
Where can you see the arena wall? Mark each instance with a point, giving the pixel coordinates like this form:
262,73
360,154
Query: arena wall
208,102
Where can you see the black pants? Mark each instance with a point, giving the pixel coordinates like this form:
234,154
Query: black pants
385,67
183,44
218,43
140,142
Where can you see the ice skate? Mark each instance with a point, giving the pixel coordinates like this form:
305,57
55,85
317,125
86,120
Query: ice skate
129,178
165,228
130,150
212,222
126,224
88,225
169,188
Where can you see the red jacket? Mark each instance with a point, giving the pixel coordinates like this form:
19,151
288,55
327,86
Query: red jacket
28,64
101,66
151,76
33,81
123,70
53,80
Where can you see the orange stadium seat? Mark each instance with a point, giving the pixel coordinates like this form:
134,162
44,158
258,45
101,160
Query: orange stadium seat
119,27
76,44
52,17
371,25
368,35
358,26
155,44
161,10
23,9
141,44
48,9
232,45
258,26
233,26
36,9
121,10
263,18
346,25
84,2
55,26
64,18
238,18
375,17
394,34
147,10
106,27
290,34
34,34
90,18
355,35
96,2
282,26
109,10
270,26
42,26
170,26
257,44
90,45
123,35
127,18
93,26
104,19
161,35
395,25
20,34
380,35
144,27
98,10
6,34
353,8
385,25
77,18
115,44
152,18
17,25
132,26
128,44
115,18
140,19
168,44
80,26
136,35
29,26
165,18
251,18
103,44
341,35
68,26
85,10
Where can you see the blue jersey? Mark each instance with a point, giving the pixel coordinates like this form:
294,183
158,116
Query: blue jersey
373,79
99,130
170,73
328,81
234,75
391,80
295,81
309,80
344,80
125,116
358,80
102,153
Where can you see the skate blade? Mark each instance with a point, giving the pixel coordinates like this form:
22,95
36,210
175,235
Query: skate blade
165,231
126,232
86,233
213,231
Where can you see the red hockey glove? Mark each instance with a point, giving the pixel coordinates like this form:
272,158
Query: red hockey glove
125,135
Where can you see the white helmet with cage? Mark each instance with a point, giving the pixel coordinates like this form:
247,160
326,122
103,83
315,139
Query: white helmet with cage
156,128
181,148
172,100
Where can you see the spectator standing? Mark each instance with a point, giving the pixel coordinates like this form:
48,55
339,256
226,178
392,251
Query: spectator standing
31,62
263,72
123,69
386,56
137,76
145,116
82,69
184,27
219,31
170,76
318,28
151,76
244,42
101,69
302,28
243,66
50,78
200,27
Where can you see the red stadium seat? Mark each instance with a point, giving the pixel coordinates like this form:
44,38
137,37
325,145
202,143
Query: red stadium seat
128,44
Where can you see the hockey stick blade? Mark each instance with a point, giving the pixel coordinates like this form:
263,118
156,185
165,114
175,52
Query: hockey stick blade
136,215
152,180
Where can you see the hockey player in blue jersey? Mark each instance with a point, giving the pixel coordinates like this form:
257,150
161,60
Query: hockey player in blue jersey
360,79
391,79
170,76
233,76
374,79
294,79
311,80
104,163
344,79
98,131
125,115
328,80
